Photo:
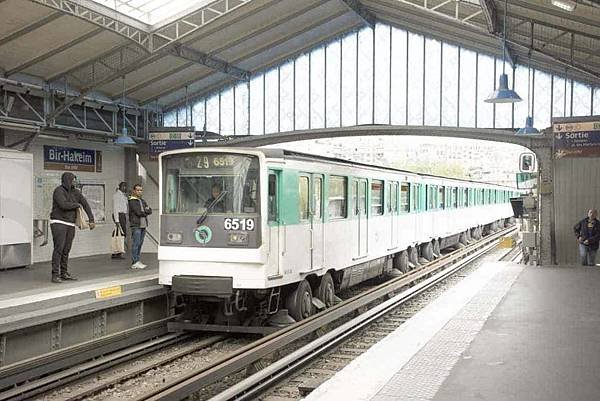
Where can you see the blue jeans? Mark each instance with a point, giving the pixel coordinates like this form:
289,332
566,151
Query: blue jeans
137,239
587,255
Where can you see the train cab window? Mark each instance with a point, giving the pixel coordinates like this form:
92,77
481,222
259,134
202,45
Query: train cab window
338,197
455,197
303,197
405,197
377,197
272,197
441,197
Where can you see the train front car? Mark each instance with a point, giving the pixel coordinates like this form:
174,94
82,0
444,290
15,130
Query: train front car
211,234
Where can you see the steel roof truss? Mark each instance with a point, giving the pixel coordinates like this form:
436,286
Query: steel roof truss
79,9
214,63
491,16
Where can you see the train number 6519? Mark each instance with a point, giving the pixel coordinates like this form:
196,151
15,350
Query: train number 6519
234,224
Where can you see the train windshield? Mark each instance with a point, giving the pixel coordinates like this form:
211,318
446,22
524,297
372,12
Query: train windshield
211,183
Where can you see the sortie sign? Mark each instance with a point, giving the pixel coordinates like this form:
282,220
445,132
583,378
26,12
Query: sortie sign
72,159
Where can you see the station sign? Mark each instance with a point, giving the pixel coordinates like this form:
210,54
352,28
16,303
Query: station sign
162,141
576,143
72,159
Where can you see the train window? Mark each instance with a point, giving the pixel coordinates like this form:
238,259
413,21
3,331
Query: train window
441,197
465,198
431,202
338,197
303,193
388,200
318,193
416,200
272,197
377,197
455,197
405,197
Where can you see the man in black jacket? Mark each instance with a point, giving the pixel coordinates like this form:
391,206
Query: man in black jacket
587,232
66,199
138,210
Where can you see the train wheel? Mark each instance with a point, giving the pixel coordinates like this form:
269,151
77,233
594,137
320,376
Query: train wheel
413,257
299,302
326,290
436,248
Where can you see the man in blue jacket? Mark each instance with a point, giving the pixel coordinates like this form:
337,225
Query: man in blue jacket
138,221
66,199
587,232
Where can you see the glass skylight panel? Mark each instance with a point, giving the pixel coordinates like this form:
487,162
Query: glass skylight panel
153,11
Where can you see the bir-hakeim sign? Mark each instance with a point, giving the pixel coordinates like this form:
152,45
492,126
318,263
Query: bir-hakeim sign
577,139
72,159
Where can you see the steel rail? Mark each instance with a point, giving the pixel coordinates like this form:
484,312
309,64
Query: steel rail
32,368
185,386
259,382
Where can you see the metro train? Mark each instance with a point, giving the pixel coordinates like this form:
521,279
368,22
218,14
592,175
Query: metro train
255,237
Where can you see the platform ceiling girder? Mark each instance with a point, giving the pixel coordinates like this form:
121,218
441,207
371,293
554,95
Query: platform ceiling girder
356,6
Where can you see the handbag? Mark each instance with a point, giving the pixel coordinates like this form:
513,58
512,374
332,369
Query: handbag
81,220
117,240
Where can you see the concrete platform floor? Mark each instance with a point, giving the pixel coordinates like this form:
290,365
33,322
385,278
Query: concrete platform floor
36,278
541,343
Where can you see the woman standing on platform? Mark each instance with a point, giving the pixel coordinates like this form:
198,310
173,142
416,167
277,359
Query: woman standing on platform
66,199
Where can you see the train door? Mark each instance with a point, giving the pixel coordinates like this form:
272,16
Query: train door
393,213
359,189
275,240
317,227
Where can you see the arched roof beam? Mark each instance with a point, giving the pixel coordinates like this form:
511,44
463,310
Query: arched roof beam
53,52
214,63
491,15
111,20
365,15
30,28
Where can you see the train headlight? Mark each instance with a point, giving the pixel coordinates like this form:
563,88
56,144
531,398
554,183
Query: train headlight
174,238
238,239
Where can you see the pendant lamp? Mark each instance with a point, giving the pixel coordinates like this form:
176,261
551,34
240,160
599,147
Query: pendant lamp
528,129
503,94
124,139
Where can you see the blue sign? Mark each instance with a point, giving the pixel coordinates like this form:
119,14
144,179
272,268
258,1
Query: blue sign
161,142
72,159
577,144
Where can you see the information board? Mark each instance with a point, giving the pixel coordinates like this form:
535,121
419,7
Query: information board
577,139
162,141
94,193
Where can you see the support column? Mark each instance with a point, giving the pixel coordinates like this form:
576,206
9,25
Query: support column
130,167
546,206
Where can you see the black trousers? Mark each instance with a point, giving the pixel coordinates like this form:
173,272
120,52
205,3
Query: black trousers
62,236
123,223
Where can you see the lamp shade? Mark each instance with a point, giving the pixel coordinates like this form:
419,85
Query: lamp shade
124,139
503,94
528,129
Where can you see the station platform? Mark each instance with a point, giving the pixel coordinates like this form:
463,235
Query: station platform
506,332
27,295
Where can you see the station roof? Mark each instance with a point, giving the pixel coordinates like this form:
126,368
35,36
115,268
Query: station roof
163,47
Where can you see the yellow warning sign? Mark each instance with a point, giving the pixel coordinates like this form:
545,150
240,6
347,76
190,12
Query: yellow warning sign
109,292
506,242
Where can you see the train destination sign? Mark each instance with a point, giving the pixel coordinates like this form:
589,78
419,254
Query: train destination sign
577,144
163,141
72,159
577,126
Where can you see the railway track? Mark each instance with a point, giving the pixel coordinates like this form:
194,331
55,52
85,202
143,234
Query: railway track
418,281
250,356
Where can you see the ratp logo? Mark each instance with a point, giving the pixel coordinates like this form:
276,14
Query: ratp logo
203,234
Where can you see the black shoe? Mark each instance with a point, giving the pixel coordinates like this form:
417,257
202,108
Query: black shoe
114,256
56,279
67,276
